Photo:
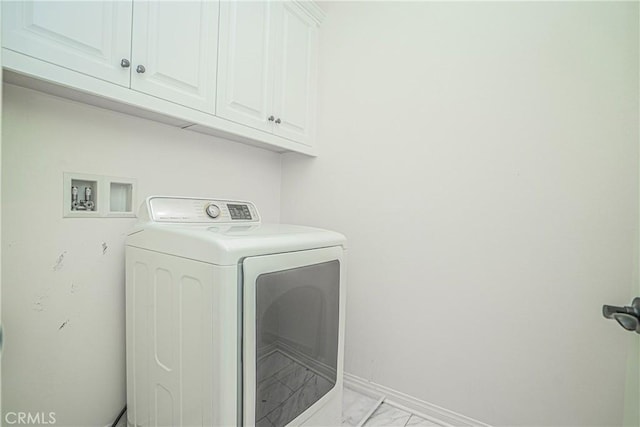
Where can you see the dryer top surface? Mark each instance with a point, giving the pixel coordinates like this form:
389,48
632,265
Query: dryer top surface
186,232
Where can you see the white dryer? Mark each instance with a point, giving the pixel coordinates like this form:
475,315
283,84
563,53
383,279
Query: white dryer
230,321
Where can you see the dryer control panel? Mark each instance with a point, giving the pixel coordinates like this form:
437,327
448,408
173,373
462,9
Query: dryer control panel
196,210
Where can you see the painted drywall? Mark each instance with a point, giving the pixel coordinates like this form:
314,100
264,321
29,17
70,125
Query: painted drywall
632,392
482,159
63,296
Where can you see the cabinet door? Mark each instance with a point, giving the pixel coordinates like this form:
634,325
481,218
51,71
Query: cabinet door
295,77
176,42
245,63
91,37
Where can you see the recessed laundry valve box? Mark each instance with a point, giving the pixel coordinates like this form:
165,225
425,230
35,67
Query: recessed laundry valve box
97,196
83,195
120,198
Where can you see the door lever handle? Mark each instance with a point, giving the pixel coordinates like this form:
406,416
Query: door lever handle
628,321
628,316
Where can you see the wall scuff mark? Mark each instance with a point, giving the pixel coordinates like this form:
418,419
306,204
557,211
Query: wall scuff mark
63,324
38,304
104,248
60,262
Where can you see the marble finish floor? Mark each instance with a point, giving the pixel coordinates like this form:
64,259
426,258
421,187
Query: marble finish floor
356,407
286,388
389,416
360,410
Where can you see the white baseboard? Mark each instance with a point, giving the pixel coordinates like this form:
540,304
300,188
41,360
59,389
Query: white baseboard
426,410
328,372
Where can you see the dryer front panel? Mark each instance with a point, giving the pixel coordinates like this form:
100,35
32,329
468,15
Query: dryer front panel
292,331
182,338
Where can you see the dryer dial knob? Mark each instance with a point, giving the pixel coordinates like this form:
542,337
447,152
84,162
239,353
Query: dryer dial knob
212,210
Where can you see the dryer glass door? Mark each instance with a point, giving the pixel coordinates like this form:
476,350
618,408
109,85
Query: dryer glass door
296,339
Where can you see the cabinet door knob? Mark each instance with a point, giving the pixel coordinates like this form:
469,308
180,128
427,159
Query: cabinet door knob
125,63
140,69
271,118
278,121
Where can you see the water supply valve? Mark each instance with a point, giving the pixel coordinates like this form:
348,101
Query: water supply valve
82,205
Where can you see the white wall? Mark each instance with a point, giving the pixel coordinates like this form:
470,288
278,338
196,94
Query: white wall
482,159
78,371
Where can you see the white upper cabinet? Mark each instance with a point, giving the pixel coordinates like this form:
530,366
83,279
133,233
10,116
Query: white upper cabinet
295,76
174,51
238,69
91,37
245,64
267,67
170,54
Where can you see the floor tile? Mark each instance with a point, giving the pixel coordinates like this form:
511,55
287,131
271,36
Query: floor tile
264,422
295,375
387,415
306,395
417,421
355,406
271,364
271,393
